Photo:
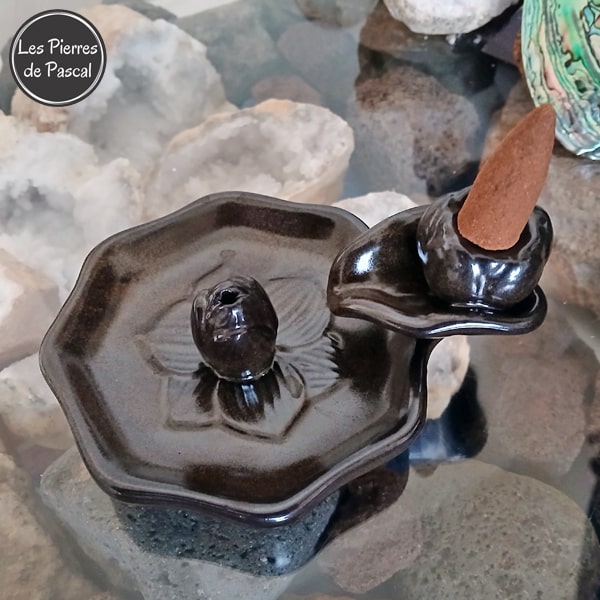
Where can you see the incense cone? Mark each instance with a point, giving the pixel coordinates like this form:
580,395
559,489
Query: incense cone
509,183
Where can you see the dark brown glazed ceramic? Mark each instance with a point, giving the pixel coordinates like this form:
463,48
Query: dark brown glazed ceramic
234,326
380,277
156,425
463,274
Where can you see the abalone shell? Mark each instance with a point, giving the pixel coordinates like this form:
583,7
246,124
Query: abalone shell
561,59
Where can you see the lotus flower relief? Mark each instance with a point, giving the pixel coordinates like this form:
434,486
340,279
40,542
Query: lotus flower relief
304,367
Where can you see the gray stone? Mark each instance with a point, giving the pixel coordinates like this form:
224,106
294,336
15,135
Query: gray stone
277,16
533,390
452,16
145,557
341,13
145,8
7,82
491,534
326,58
412,134
571,197
237,44
370,553
285,87
31,566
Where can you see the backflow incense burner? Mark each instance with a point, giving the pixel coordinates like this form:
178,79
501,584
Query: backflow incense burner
247,356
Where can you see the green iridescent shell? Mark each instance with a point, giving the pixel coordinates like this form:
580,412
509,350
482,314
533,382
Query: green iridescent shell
560,41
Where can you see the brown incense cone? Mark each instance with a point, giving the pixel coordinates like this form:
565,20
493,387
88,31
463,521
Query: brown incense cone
509,183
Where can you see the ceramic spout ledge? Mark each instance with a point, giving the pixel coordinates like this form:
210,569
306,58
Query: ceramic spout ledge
413,273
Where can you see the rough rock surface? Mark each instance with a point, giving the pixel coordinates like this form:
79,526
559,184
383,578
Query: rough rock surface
370,553
28,303
532,390
56,202
31,566
453,16
340,13
412,134
237,44
299,152
450,359
160,566
574,273
28,409
157,82
488,533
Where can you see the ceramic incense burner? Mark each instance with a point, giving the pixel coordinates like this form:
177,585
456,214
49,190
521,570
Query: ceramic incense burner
247,356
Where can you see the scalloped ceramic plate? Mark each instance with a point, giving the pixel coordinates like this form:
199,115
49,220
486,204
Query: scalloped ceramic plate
155,426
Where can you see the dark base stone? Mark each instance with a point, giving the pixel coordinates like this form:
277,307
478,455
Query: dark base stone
170,555
261,551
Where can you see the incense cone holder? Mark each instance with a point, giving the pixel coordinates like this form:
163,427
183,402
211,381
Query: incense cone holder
465,275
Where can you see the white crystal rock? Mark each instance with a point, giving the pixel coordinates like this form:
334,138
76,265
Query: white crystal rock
157,82
376,206
28,409
56,202
452,16
295,151
449,360
28,303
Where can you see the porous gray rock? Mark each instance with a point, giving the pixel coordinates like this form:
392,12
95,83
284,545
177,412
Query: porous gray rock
237,44
452,16
532,390
412,134
488,533
138,554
